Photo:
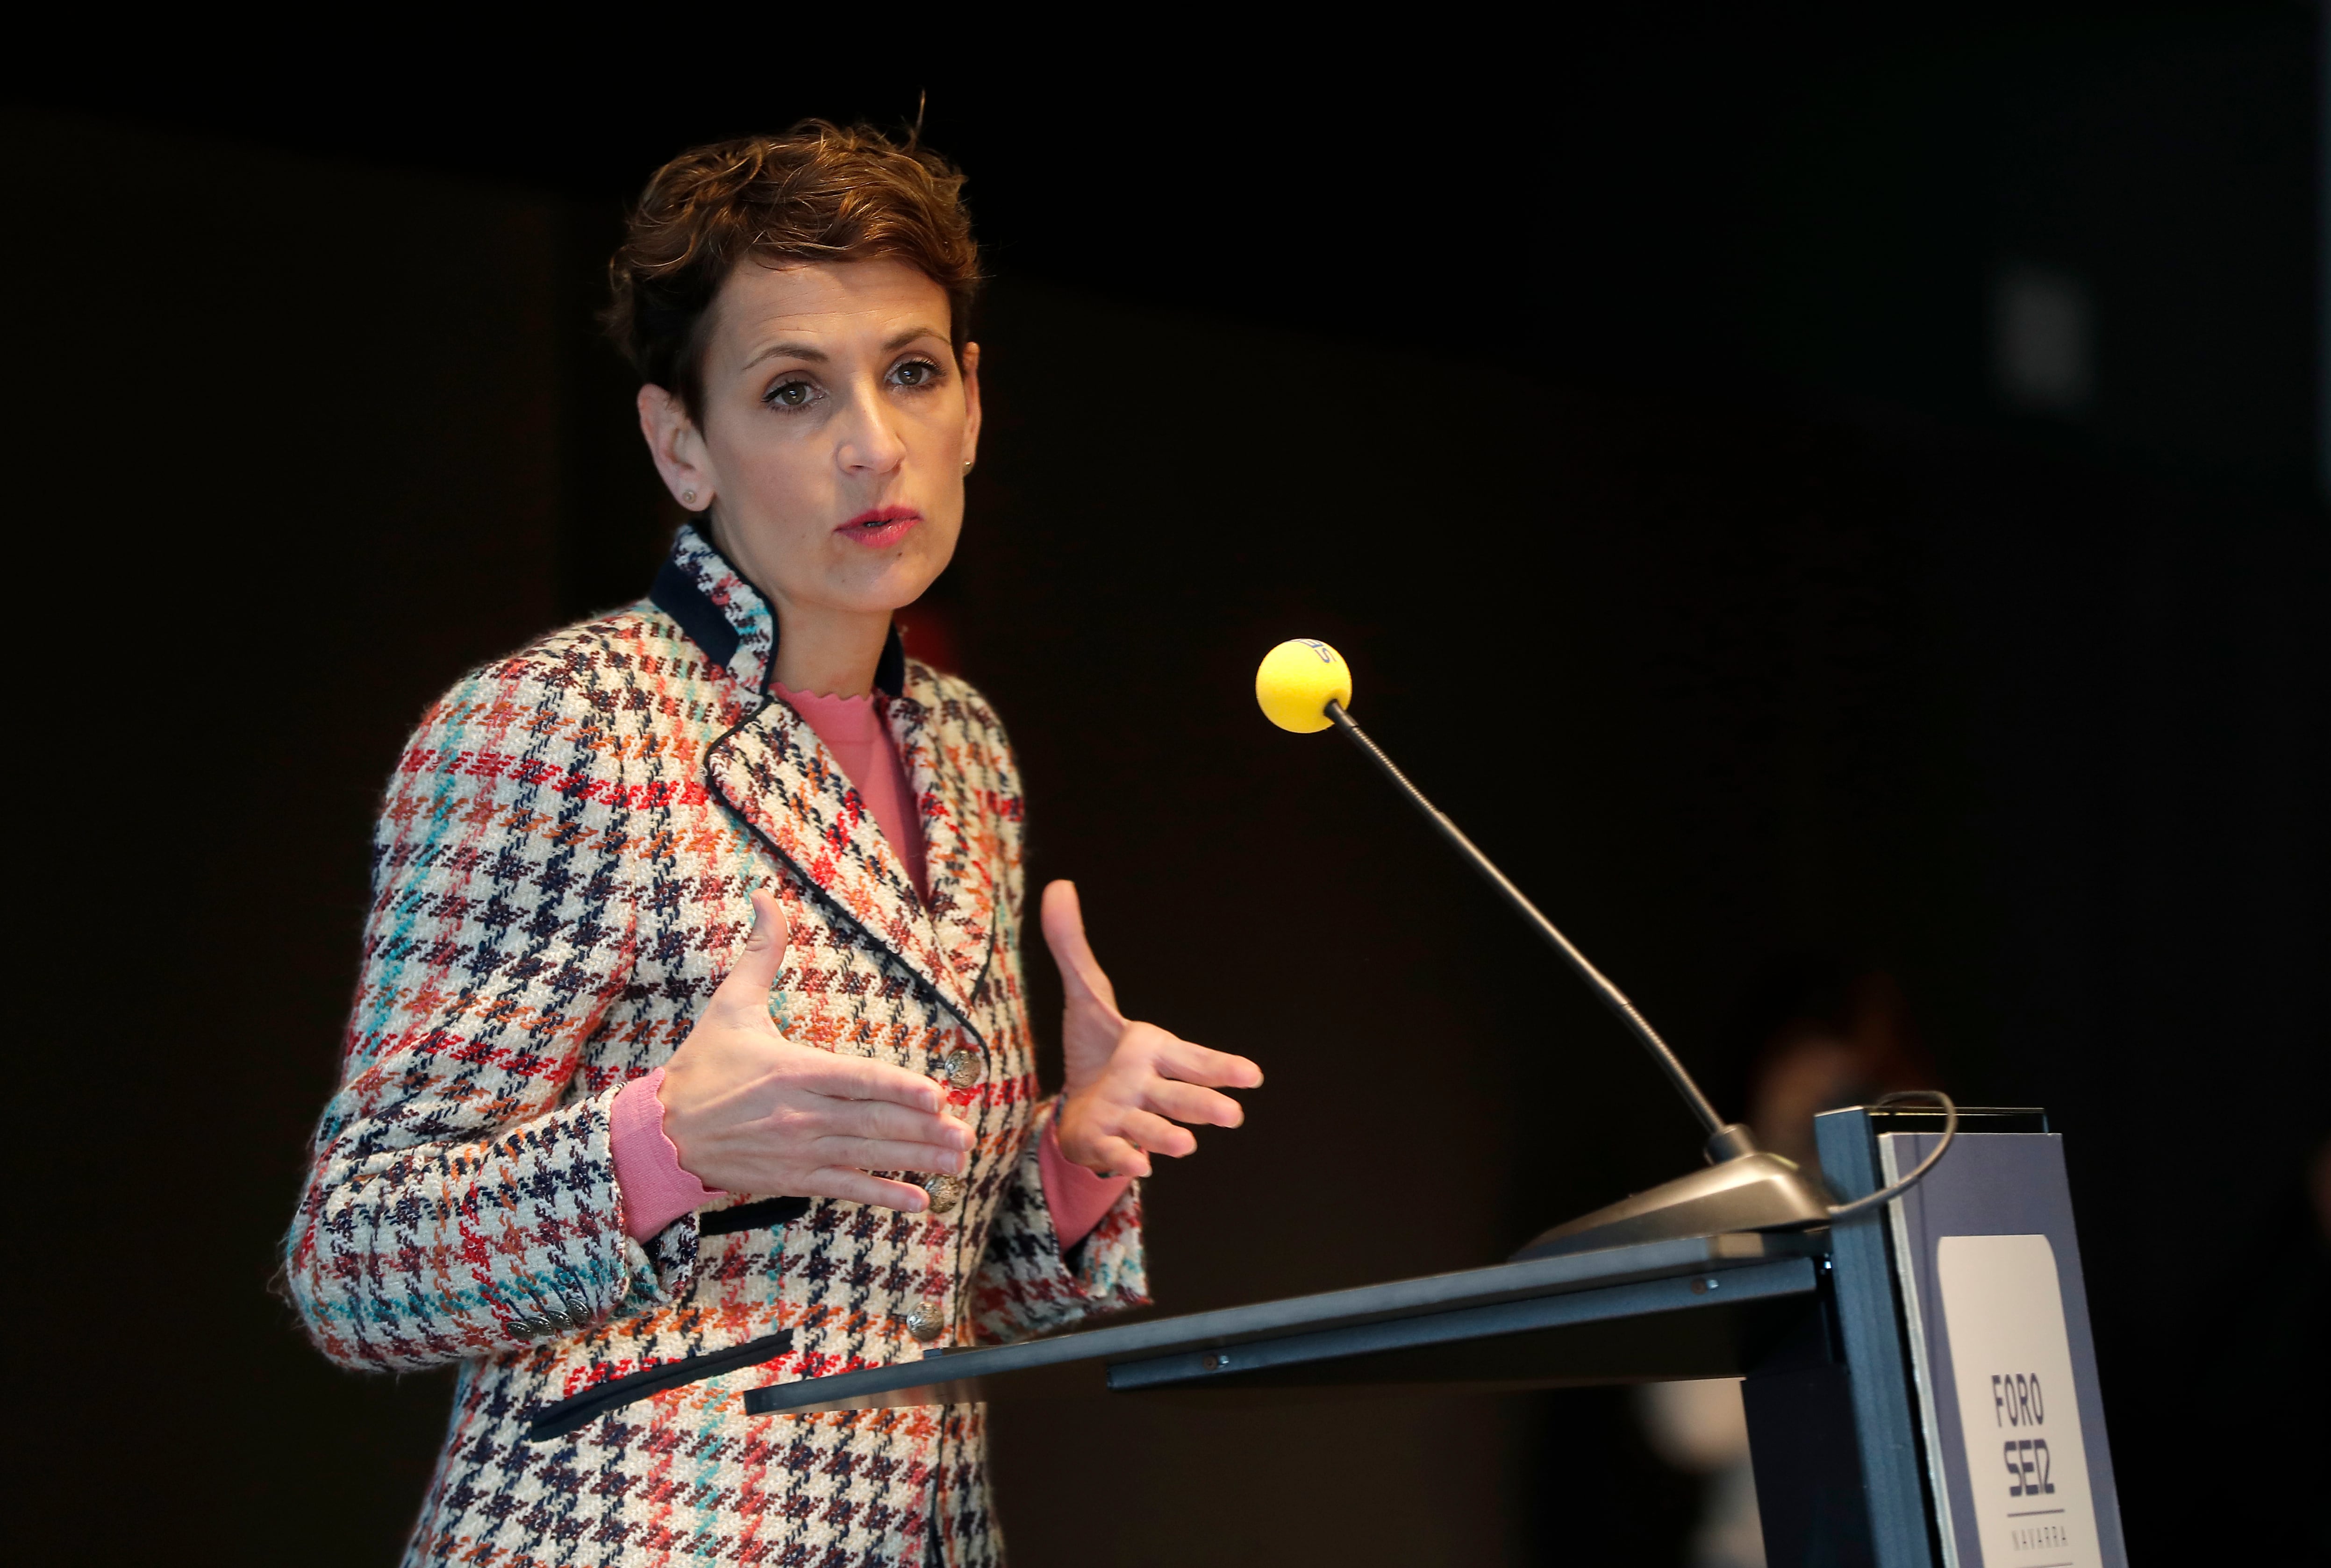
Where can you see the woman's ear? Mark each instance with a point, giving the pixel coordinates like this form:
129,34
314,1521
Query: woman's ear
676,447
970,405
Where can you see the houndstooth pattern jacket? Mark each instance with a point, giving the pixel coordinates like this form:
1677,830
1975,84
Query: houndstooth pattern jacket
562,868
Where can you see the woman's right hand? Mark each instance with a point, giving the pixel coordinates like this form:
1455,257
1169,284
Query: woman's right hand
749,1111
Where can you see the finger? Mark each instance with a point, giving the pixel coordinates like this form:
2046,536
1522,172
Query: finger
1158,1135
1064,933
861,1187
1193,1063
1119,1158
893,1154
840,1118
860,1078
1186,1102
754,970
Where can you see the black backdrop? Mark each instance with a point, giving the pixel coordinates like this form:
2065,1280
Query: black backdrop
1729,667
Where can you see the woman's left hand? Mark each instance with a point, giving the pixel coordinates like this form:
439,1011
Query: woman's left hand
1129,1084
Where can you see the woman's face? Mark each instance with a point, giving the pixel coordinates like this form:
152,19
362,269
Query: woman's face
835,433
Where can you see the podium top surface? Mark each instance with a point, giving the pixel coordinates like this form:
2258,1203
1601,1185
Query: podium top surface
1470,1302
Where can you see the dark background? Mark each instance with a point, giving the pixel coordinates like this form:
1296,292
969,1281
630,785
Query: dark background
1632,415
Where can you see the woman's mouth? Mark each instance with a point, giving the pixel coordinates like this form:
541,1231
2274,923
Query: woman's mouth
880,527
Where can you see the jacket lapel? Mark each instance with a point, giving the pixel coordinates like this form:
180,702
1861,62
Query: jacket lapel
774,771
958,867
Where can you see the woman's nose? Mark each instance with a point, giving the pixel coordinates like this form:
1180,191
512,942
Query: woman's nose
868,444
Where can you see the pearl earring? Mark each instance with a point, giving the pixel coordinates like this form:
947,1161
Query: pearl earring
967,465
688,498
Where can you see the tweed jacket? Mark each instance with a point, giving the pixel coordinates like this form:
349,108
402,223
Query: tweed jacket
563,869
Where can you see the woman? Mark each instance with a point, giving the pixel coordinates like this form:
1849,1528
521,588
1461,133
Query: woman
691,1051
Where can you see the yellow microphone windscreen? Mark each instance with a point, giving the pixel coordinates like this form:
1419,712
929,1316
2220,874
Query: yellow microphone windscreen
1298,680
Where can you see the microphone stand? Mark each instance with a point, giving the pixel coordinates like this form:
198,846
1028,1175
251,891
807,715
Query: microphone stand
1744,1187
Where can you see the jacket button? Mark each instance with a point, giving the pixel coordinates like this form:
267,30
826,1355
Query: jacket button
925,1321
963,1069
946,1192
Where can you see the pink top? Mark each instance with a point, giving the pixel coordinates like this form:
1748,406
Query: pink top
854,731
1077,1197
656,1189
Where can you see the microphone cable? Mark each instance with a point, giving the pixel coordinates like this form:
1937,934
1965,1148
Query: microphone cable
1888,1193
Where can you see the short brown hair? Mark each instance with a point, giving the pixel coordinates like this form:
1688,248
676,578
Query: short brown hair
819,193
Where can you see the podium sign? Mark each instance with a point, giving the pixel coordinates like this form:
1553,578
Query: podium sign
2012,1415
2004,1308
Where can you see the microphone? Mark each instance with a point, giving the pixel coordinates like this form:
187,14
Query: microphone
1304,686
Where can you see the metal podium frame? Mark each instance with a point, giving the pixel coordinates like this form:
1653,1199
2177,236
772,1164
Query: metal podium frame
1554,1321
1816,1322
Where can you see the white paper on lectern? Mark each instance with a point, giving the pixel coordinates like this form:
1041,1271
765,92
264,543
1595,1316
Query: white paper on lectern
2004,1319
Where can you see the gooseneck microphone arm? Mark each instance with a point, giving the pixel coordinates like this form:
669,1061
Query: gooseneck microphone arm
1613,997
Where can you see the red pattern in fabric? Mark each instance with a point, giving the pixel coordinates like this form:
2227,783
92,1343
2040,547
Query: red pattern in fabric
564,865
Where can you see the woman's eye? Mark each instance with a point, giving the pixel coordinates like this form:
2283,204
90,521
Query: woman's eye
791,394
916,373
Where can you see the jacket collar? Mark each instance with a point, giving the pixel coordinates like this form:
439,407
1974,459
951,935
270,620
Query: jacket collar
725,615
774,771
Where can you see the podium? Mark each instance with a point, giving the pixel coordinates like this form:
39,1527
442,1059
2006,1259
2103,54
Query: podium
1920,1380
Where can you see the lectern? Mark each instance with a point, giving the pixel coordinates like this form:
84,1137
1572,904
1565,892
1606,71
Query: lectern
1921,1384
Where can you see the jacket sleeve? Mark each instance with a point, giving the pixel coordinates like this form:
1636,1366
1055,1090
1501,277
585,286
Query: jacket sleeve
462,1197
1024,1285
